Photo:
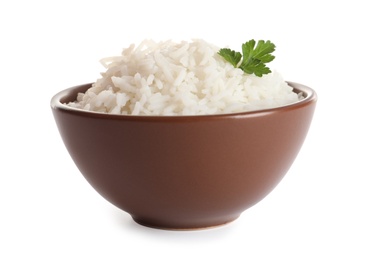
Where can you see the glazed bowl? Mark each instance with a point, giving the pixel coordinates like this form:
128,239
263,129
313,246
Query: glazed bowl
184,172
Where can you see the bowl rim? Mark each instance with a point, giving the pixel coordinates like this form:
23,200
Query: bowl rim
56,103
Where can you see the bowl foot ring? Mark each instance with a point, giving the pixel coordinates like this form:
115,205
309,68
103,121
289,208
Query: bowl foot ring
145,223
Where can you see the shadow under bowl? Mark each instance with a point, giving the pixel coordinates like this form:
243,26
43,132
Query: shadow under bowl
184,172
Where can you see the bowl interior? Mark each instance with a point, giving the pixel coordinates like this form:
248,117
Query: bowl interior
70,95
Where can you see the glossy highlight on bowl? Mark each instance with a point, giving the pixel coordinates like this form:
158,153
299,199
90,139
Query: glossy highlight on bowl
184,172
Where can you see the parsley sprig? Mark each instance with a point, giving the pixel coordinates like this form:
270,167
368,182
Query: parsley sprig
253,57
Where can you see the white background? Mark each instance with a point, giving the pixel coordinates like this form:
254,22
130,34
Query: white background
321,210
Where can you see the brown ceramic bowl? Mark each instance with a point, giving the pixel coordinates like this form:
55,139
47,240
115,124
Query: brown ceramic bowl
184,172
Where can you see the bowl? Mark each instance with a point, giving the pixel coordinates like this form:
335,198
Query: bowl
184,172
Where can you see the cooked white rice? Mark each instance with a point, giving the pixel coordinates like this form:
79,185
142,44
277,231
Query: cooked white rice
186,78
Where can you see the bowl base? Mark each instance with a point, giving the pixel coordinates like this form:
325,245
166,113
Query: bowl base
145,223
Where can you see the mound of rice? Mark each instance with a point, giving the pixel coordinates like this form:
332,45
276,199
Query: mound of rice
186,78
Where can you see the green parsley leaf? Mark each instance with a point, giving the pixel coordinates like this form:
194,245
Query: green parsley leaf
230,56
253,57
